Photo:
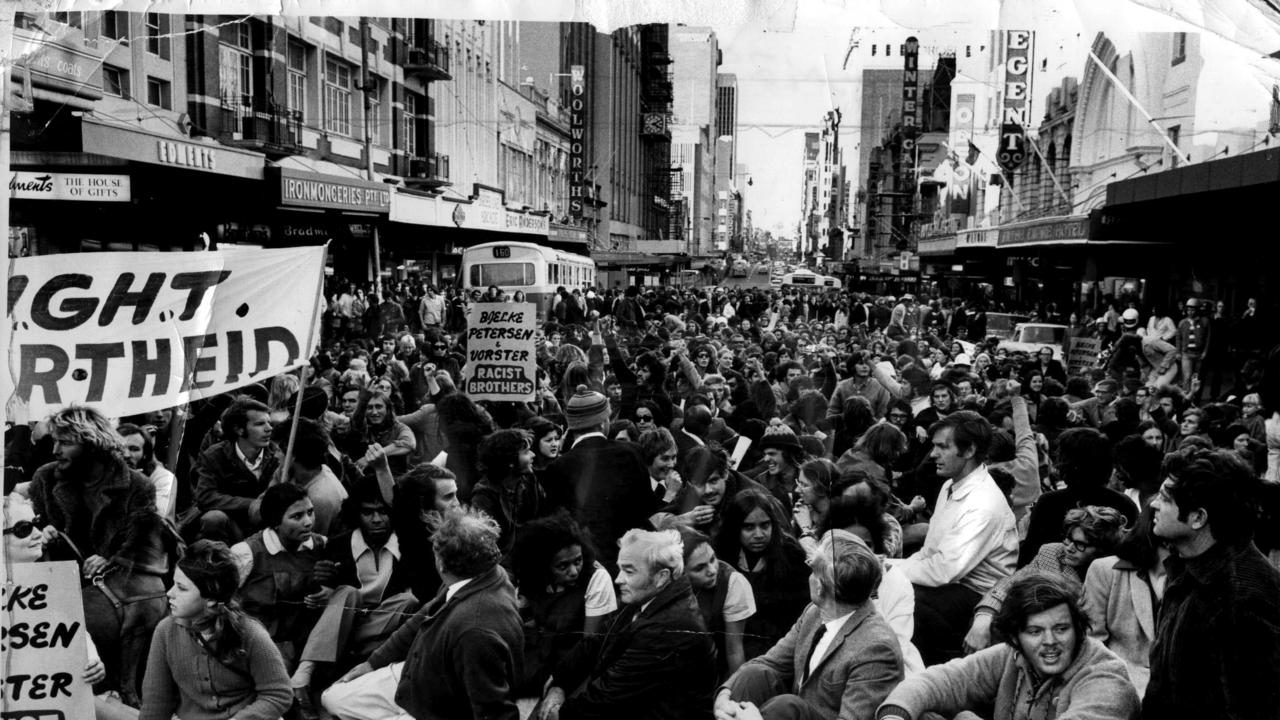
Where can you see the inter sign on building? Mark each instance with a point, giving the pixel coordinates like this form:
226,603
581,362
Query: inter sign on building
910,98
577,139
1016,110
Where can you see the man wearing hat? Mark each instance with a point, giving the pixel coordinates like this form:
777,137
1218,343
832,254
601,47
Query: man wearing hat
604,483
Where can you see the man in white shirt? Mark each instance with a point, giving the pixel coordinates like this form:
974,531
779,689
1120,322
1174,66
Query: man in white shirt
431,308
972,540
840,659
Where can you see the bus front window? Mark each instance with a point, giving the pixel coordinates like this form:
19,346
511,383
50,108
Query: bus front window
502,274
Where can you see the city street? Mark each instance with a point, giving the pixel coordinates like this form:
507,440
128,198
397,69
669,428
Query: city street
856,360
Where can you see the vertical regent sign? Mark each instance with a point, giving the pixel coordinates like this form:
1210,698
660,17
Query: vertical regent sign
577,139
1017,99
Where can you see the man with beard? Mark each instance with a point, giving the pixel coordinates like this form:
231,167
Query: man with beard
1047,667
99,511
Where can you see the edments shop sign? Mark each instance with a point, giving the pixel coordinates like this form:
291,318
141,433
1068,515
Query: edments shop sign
324,191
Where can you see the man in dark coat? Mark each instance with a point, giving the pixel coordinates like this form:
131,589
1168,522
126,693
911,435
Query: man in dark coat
603,483
656,661
460,656
1216,652
232,475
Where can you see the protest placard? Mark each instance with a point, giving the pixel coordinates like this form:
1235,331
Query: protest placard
44,643
500,352
1083,355
132,332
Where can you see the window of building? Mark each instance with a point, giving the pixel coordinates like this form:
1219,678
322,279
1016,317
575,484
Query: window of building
1174,132
157,34
115,26
1179,48
244,39
378,125
73,19
115,81
159,93
409,125
297,96
235,76
337,96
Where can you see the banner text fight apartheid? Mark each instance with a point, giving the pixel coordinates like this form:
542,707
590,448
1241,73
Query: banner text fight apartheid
135,332
500,352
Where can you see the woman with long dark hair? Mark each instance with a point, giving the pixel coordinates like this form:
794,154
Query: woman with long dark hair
724,598
564,593
208,658
754,539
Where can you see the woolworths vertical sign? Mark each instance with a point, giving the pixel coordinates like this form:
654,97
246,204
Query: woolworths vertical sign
577,139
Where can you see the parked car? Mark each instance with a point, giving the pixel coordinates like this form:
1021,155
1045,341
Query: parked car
1002,325
1030,337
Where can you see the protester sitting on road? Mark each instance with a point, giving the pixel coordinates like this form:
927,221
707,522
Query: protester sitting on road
839,659
365,595
276,565
231,476
208,658
461,654
1047,667
1090,532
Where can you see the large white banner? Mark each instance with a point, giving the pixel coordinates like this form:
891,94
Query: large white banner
129,333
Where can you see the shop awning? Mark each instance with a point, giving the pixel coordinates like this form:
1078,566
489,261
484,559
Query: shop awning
1250,170
635,259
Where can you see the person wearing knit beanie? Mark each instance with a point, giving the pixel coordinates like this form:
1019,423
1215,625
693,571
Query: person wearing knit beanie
783,456
587,410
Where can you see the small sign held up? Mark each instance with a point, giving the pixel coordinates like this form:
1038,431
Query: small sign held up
501,362
44,643
1083,355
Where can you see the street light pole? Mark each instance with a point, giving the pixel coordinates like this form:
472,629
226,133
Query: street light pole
365,91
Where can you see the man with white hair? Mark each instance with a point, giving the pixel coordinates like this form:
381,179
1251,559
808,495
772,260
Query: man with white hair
656,659
840,659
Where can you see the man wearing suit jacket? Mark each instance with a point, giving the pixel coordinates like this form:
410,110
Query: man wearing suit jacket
840,660
656,661
461,655
603,483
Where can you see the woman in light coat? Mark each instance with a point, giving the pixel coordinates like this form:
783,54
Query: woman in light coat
1122,595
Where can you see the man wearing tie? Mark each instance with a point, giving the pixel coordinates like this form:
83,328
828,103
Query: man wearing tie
460,655
841,658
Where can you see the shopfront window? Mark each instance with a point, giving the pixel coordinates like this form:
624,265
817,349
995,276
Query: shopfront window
502,274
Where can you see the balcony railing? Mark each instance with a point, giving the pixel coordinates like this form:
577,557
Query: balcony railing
272,130
429,171
428,61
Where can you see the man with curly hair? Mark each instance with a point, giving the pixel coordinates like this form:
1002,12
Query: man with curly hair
461,655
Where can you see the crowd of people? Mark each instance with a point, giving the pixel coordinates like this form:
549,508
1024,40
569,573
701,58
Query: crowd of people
743,504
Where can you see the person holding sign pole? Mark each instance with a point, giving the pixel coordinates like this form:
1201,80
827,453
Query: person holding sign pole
210,661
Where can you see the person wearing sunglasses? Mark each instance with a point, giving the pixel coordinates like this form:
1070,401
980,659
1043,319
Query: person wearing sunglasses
645,417
1089,532
24,543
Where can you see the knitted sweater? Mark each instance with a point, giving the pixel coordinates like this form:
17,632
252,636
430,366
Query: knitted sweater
183,678
1094,687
